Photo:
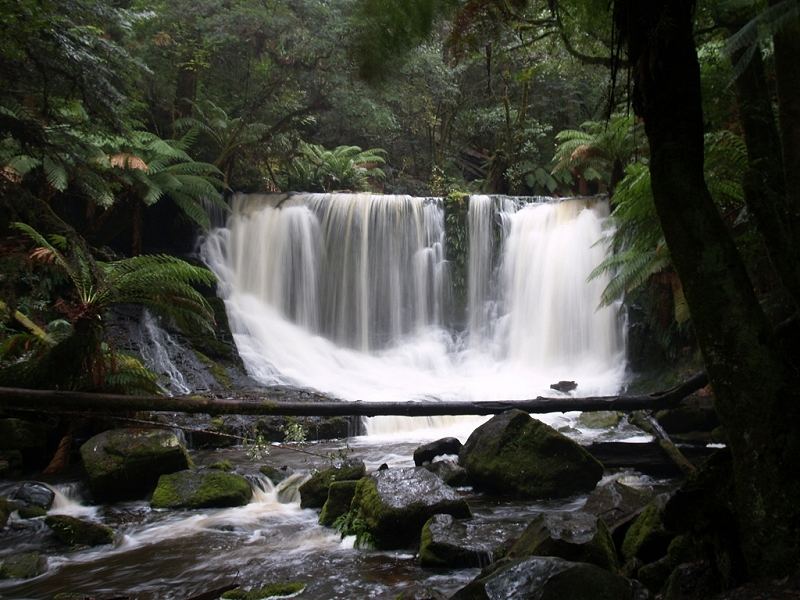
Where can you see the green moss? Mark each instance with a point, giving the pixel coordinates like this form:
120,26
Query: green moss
77,532
314,492
217,370
31,512
22,566
271,590
201,489
646,538
221,465
340,496
427,556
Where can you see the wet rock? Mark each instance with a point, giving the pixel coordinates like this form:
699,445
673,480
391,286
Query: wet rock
516,455
273,590
392,506
22,566
31,512
126,463
201,489
448,471
33,493
427,452
276,475
78,532
695,413
654,575
690,581
449,542
420,592
616,504
5,511
547,578
563,386
647,539
646,457
574,536
602,419
340,495
314,492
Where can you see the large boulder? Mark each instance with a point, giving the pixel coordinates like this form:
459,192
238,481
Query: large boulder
449,542
201,489
516,455
79,532
548,578
391,506
314,492
126,463
444,446
575,536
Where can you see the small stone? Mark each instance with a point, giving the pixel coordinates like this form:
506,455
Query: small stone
449,472
33,493
602,419
563,386
444,446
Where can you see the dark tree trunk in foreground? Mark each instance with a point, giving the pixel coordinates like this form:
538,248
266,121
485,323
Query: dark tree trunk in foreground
755,384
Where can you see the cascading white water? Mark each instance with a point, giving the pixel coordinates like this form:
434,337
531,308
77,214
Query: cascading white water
346,293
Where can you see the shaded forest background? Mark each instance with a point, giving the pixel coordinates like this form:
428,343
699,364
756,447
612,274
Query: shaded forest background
124,125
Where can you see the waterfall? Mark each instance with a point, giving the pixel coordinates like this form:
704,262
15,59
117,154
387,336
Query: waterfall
347,293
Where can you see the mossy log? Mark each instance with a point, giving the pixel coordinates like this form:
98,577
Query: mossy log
256,403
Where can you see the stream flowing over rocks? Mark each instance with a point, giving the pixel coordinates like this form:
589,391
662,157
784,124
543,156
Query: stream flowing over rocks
354,296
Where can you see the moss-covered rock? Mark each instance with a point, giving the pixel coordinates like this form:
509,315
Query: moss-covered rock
201,489
275,474
393,505
126,463
514,454
314,492
78,532
268,591
647,538
574,536
221,465
449,542
602,419
340,495
31,512
548,578
22,566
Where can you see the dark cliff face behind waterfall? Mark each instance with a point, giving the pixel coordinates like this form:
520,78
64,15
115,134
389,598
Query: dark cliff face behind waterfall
347,293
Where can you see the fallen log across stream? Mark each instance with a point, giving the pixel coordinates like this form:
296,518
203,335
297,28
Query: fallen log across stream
265,402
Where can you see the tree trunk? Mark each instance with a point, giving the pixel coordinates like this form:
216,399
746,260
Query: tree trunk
300,403
764,185
787,74
754,392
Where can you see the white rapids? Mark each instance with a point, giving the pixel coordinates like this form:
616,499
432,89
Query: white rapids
350,294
